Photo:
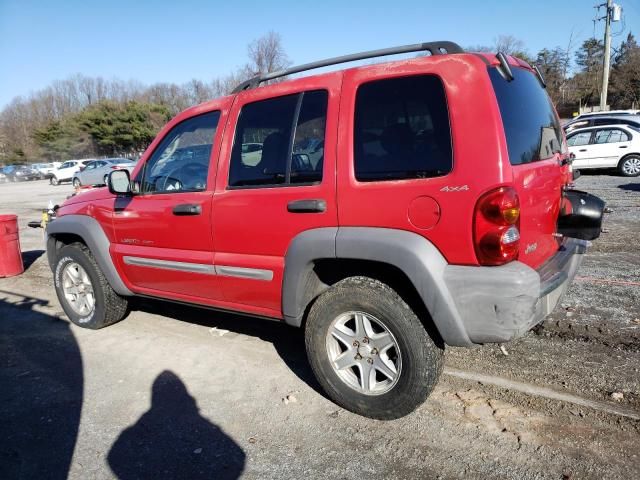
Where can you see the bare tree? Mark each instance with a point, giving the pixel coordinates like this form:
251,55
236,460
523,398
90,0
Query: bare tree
266,54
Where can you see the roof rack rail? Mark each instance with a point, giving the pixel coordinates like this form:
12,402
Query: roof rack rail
435,48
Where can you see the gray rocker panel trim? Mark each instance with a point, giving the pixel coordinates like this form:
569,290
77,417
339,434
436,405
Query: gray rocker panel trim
413,254
91,232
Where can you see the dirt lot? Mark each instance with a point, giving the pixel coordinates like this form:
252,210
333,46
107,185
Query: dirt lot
169,393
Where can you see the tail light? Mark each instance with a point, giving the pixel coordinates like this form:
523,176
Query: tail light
496,227
116,167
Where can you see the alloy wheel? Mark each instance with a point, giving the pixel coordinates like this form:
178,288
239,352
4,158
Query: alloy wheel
364,353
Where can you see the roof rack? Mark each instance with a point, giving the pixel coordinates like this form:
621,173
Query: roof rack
435,48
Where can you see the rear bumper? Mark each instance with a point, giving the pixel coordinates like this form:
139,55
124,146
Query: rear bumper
498,304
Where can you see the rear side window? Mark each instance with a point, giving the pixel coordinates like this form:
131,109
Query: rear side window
613,135
530,124
402,129
280,141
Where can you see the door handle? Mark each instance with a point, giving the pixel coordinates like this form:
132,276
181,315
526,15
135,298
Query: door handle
307,206
187,209
622,146
582,150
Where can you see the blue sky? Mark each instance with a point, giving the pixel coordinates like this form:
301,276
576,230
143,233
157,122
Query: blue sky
174,41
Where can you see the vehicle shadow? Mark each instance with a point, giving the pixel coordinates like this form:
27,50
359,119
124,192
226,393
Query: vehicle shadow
288,341
29,257
631,187
41,391
172,440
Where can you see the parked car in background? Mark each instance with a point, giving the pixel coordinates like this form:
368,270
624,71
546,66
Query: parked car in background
66,171
3,177
611,146
607,113
595,121
97,171
20,173
44,169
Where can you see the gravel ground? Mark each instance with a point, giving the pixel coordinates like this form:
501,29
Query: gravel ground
168,393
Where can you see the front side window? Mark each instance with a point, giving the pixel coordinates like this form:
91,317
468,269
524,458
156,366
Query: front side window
180,163
531,126
578,139
612,135
280,141
402,129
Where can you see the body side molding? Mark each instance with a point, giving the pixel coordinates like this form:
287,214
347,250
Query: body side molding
91,232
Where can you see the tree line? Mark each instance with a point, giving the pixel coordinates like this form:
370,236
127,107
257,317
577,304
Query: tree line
83,117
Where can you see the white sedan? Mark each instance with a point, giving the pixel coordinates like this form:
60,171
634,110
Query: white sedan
606,146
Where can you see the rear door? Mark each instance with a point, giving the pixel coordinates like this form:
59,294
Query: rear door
608,145
537,152
265,181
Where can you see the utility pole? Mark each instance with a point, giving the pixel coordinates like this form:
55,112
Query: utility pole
607,55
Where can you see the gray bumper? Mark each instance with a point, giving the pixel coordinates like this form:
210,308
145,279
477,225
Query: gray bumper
498,304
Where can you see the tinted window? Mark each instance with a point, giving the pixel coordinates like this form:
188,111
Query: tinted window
577,139
402,129
611,136
607,121
268,145
181,160
530,124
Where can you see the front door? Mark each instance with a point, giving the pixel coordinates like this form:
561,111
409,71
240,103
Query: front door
274,160
163,233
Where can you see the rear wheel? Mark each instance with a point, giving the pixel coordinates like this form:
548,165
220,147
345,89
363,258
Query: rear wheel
54,180
629,166
76,183
83,291
369,350
105,180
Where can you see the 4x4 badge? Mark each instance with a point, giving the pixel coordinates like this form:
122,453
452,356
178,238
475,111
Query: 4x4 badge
461,188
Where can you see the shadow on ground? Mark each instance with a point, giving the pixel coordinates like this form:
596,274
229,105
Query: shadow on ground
29,258
41,385
288,341
41,395
172,440
631,187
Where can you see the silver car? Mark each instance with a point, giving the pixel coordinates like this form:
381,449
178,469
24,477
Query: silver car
97,171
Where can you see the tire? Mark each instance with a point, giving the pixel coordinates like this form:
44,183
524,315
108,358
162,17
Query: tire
629,166
76,182
106,179
54,180
108,307
416,359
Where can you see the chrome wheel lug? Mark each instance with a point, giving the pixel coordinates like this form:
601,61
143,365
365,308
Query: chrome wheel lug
369,360
356,344
374,351
365,340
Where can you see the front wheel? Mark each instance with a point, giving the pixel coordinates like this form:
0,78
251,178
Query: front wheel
369,350
54,180
76,183
629,166
83,291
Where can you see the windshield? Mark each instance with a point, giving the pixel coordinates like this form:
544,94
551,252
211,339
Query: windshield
530,123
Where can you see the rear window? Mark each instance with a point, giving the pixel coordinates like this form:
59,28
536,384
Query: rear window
530,124
402,129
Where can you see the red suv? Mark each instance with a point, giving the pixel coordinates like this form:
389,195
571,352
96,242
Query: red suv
389,210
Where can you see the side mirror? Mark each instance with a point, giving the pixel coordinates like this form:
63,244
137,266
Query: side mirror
119,182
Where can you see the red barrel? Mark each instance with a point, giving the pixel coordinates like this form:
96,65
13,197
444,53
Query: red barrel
10,254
